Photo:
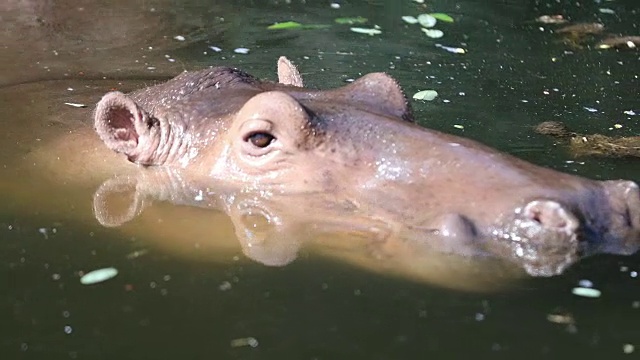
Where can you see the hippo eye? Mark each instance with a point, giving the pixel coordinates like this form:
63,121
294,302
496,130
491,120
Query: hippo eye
260,139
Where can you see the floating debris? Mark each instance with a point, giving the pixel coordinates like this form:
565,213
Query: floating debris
367,31
241,51
427,95
585,283
458,126
44,232
75,105
561,318
620,42
215,48
225,286
581,29
607,11
586,292
450,49
592,144
410,20
136,254
427,20
628,348
179,38
98,276
248,341
551,19
351,20
433,33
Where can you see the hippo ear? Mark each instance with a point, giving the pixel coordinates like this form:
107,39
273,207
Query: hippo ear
126,128
378,92
288,74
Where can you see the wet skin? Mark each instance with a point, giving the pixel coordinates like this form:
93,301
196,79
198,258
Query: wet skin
358,146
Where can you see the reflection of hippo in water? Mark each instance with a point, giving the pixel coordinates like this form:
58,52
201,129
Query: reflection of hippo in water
357,145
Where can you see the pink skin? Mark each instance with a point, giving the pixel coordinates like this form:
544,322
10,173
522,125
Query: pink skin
357,144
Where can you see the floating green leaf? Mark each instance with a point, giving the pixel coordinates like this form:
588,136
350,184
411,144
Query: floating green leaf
351,20
442,17
427,95
285,25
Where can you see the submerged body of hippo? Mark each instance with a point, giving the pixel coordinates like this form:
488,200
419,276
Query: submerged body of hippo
357,145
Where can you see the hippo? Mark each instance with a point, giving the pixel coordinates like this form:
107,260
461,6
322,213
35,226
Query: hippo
357,147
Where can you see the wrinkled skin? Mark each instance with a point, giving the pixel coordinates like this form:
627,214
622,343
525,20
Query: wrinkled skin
358,146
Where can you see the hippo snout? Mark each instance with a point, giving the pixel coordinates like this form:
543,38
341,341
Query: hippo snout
546,236
543,236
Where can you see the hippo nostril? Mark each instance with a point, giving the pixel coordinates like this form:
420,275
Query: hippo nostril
551,214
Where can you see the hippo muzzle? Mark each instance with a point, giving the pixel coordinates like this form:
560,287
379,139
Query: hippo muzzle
547,236
542,236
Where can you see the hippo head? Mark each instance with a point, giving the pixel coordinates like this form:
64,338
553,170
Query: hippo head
225,124
358,145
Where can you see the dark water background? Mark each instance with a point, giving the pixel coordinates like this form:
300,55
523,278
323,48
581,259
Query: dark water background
182,301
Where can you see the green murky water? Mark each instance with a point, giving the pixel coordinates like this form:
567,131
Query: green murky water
185,289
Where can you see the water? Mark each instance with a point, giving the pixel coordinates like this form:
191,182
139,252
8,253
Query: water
186,290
